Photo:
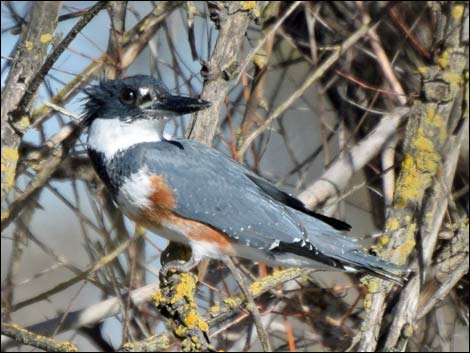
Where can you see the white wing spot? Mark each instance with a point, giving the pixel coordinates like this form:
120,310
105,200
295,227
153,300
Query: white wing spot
274,245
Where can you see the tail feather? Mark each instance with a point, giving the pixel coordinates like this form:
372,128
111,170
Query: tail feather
375,266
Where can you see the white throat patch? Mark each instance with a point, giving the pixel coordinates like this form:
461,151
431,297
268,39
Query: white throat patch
109,136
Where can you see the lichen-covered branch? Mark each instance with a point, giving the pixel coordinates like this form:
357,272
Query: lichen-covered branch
428,130
27,60
29,338
175,300
257,288
158,343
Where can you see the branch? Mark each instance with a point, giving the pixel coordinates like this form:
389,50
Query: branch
219,70
106,259
29,338
251,307
158,343
175,300
29,54
338,175
26,101
318,73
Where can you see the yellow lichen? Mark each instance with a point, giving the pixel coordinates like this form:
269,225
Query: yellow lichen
367,302
68,347
185,288
372,285
191,319
432,118
248,5
427,159
28,45
45,38
260,60
422,69
181,331
419,167
444,58
60,346
5,215
158,298
407,183
8,166
384,240
232,303
203,326
23,123
423,143
214,309
442,135
256,288
457,11
408,330
392,224
453,77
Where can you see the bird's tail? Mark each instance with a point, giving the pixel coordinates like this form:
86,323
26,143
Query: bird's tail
330,244
356,260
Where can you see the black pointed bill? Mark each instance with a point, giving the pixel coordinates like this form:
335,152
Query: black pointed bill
180,105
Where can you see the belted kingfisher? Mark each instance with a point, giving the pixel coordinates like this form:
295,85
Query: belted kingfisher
193,194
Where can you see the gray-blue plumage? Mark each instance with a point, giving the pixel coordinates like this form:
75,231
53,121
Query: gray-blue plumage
213,189
127,147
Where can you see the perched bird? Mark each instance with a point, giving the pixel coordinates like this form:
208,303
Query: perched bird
193,194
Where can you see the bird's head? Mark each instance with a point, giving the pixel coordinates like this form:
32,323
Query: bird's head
136,98
123,112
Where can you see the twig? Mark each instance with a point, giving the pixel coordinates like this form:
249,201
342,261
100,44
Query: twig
110,307
382,60
25,102
271,31
444,288
94,313
388,161
339,173
29,338
60,143
348,43
256,97
106,259
63,111
251,306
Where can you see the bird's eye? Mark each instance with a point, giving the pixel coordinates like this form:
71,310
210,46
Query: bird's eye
128,96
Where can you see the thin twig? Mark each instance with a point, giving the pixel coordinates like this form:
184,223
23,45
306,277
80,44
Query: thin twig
251,306
319,72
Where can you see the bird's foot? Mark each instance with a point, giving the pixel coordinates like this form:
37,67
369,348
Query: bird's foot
178,266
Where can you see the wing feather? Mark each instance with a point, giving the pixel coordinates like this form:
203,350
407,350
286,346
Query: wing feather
213,189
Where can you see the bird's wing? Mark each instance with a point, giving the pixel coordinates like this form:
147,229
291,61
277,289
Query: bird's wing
211,188
291,201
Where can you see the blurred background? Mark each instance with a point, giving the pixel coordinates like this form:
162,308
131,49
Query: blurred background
285,111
